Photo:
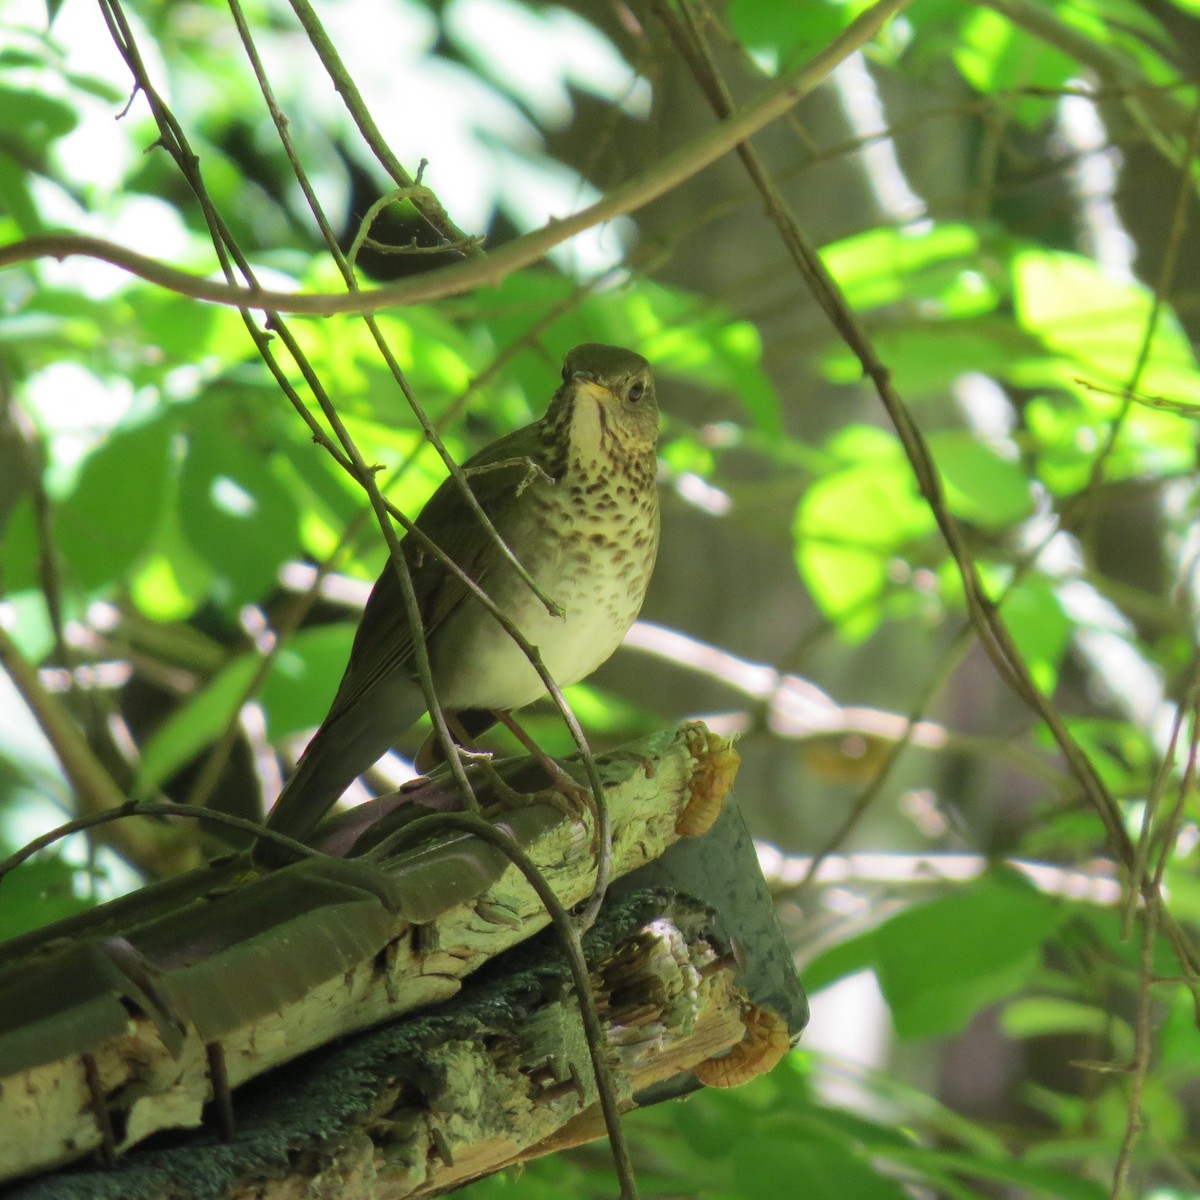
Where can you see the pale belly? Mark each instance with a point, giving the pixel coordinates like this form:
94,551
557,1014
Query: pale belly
478,665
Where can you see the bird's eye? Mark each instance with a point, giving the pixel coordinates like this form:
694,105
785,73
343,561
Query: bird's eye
566,372
637,392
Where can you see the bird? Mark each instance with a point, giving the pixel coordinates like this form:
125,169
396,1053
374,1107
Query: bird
574,496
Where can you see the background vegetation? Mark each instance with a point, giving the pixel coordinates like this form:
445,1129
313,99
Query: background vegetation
929,540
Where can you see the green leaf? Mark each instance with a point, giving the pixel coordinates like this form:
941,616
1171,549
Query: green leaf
1041,1016
1121,753
1034,615
235,515
981,487
35,118
1079,311
804,1159
1178,1038
110,517
298,691
15,196
940,267
940,963
31,632
38,893
777,34
1027,1179
995,55
1104,928
850,525
1129,28
194,725
1069,428
842,959
925,359
188,331
172,581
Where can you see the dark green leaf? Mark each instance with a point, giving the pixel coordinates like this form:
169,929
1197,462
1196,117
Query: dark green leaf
15,197
37,893
236,515
941,963
194,725
305,675
1031,1180
805,1161
110,517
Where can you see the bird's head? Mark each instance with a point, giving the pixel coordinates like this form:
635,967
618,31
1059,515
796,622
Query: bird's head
607,401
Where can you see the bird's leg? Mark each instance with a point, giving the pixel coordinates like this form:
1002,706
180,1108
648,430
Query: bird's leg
430,755
429,761
567,787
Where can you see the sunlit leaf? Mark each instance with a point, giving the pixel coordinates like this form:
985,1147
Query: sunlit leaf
939,267
777,34
981,486
189,331
1100,322
996,55
926,358
1034,617
173,581
850,525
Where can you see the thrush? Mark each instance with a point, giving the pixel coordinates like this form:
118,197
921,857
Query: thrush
574,497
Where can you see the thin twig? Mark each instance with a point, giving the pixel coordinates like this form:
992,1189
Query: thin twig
427,203
151,808
1143,1045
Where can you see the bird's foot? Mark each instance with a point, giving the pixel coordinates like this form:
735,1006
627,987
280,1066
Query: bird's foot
564,793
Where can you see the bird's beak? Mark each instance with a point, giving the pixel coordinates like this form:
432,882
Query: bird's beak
586,385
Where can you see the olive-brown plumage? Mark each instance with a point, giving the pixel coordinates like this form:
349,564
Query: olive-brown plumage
574,496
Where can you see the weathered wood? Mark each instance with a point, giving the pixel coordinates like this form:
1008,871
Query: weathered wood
498,1075
110,1022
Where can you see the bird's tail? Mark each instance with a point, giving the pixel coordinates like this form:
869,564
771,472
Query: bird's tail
308,795
341,750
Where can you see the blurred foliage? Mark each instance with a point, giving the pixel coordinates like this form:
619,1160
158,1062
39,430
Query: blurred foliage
154,484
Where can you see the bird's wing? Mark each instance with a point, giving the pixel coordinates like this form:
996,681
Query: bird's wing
383,643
